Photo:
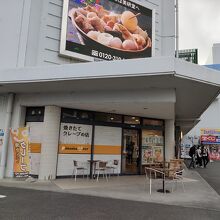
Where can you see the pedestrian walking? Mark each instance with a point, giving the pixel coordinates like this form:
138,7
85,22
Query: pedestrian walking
192,154
205,156
199,156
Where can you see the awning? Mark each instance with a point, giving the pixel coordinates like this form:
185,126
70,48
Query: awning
195,86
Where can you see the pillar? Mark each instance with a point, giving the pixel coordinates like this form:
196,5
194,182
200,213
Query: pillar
4,149
169,140
49,146
18,120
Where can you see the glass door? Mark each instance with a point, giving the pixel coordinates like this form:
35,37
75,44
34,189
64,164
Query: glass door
130,154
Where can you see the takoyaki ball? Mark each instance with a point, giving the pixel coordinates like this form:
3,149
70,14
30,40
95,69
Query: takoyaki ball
104,38
115,42
93,35
129,45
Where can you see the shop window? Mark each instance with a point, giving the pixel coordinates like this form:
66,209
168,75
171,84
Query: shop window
152,146
34,114
70,115
107,117
132,120
153,122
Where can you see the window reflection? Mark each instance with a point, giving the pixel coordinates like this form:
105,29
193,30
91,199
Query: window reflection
107,117
132,120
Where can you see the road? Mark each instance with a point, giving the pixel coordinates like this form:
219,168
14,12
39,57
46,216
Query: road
26,204
212,175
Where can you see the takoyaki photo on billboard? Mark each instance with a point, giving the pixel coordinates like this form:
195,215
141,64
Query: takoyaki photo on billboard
106,29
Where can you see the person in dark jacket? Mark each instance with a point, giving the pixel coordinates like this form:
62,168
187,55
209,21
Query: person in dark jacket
130,149
192,154
199,156
205,156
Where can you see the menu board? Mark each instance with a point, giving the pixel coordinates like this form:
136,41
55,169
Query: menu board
152,147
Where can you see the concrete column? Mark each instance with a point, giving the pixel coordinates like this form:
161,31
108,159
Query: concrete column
18,120
7,134
169,140
49,147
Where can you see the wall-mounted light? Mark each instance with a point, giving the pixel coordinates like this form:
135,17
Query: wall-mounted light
181,135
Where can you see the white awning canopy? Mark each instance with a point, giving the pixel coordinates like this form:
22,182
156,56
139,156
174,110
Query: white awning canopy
195,86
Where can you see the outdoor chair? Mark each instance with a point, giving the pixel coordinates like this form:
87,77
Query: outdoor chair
113,166
79,166
101,167
175,165
178,177
155,166
149,173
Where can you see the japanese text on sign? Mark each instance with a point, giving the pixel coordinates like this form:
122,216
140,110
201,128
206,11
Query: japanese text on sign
69,130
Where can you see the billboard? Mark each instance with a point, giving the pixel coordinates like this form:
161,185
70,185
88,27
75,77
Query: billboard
106,30
208,131
211,137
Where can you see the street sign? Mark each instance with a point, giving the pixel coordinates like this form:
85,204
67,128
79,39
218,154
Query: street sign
190,55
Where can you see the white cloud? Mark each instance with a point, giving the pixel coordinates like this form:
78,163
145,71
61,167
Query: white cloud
199,25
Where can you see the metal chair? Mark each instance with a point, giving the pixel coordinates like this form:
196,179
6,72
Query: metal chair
113,165
149,172
156,166
101,167
79,166
175,165
178,177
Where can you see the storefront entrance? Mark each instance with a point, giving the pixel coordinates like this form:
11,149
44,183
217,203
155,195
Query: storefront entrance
131,149
84,135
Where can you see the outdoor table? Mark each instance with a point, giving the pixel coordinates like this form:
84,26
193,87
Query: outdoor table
92,167
164,171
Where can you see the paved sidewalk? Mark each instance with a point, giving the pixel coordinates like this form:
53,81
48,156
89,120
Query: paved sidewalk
198,192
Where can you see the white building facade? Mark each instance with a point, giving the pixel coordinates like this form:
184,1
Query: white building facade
208,127
94,110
